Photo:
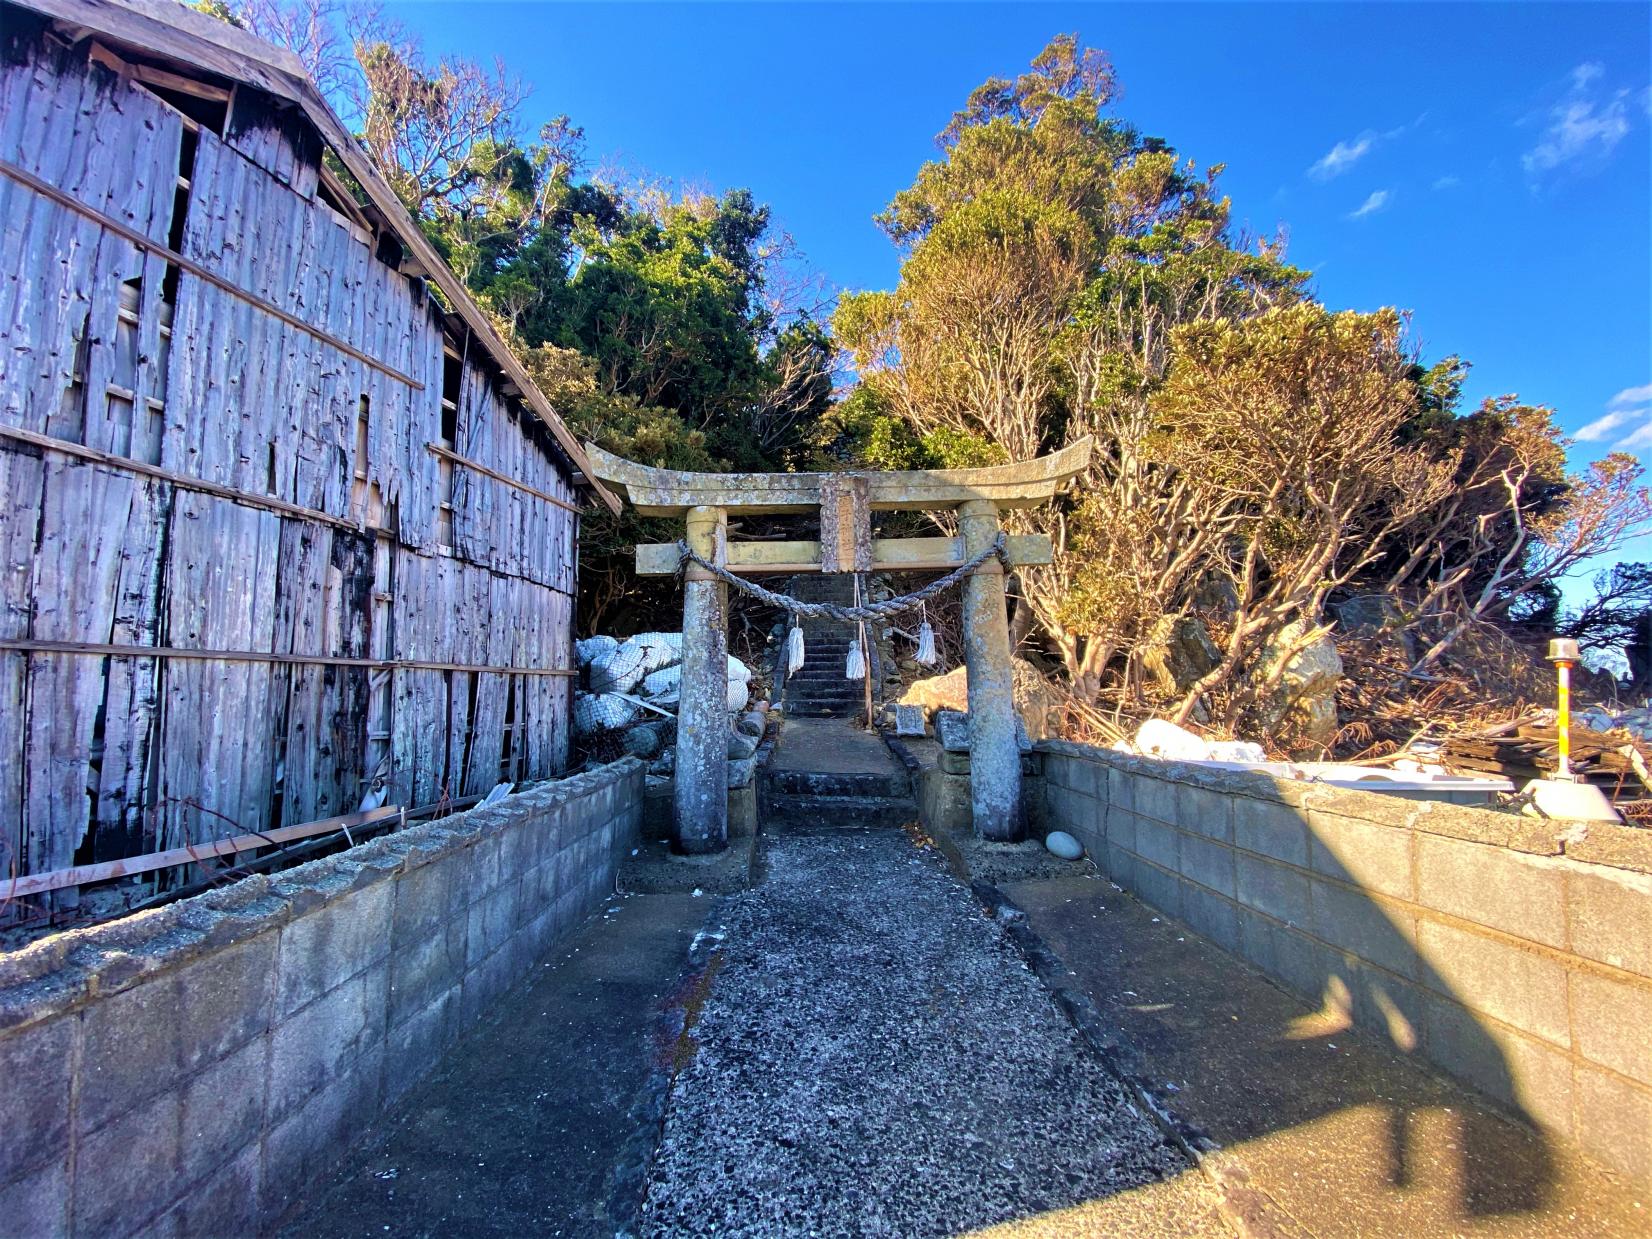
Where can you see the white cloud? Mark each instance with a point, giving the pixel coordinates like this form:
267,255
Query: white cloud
1341,157
1447,182
1584,125
1602,427
1377,200
1627,420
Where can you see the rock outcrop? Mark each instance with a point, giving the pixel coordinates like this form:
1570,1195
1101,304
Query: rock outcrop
1305,692
1177,652
1033,698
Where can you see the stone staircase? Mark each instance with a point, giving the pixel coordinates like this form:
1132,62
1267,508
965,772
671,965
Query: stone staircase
825,800
820,690
827,774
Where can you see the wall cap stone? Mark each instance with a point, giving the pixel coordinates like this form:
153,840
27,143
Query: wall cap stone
1600,843
56,974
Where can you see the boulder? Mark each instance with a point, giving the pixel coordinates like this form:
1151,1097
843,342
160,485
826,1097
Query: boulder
1216,593
1367,614
1062,844
1177,651
750,724
643,742
1376,617
1033,699
939,692
741,772
952,730
1306,689
741,746
909,720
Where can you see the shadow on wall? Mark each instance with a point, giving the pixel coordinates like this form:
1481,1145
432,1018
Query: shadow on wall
1501,1169
1458,935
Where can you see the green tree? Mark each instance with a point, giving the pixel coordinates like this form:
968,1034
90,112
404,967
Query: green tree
1284,428
1047,256
654,322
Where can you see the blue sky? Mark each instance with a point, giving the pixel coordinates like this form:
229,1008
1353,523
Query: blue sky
1485,166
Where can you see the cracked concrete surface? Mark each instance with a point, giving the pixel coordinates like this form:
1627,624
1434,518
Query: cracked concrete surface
874,1058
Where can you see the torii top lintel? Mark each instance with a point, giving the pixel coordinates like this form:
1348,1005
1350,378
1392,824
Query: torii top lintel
672,492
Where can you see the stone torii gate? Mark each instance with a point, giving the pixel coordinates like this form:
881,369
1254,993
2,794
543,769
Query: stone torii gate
844,502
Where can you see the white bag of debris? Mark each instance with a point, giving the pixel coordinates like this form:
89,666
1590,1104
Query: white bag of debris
663,685
588,649
738,692
659,649
1159,738
595,712
617,671
621,669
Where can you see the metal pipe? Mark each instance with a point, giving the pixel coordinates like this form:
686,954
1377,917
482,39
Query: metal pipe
1563,653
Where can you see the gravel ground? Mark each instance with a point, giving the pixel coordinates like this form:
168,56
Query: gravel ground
874,1058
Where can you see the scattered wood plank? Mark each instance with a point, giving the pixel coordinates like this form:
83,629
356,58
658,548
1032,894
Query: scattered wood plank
82,875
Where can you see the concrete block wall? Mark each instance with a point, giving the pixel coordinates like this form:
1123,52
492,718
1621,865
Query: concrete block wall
1514,953
191,1070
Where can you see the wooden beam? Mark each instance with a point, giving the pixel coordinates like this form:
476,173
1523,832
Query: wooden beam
143,469
26,645
436,449
337,189
888,555
151,76
81,875
135,238
671,492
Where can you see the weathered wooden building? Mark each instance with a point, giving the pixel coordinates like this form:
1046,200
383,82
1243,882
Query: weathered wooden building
279,526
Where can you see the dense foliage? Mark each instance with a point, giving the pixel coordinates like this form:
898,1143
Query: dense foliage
1256,454
1062,275
665,326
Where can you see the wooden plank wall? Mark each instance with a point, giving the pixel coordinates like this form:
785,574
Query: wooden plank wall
103,755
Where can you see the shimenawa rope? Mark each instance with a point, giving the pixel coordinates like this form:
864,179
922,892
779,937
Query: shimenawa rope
886,609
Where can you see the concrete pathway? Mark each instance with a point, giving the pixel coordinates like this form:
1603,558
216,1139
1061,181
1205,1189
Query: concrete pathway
855,1048
1324,1131
520,1131
874,1058
831,746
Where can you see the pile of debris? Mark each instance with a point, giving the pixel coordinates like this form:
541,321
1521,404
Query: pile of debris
1606,750
627,696
620,680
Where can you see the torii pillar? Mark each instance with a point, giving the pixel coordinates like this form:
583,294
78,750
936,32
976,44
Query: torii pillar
702,710
994,755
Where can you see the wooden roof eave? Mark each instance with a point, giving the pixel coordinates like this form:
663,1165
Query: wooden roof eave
671,492
167,28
